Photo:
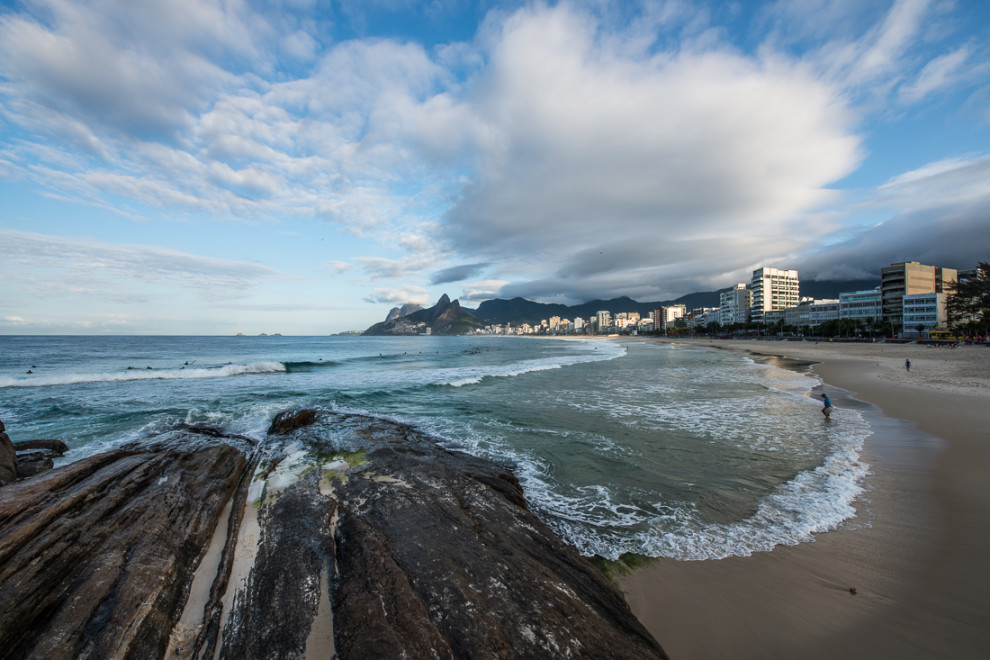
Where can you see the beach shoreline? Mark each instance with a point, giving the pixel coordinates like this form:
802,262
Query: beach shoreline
914,553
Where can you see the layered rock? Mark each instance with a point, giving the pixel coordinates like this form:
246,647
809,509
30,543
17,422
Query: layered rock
339,534
8,458
96,556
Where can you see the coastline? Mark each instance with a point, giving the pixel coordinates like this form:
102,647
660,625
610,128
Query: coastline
915,553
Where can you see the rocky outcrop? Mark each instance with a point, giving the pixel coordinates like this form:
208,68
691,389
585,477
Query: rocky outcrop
19,460
8,458
96,556
291,420
346,535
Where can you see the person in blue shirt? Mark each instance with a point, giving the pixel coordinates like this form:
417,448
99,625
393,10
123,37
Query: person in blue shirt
827,410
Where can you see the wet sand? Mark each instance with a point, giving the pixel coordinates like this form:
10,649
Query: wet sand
916,554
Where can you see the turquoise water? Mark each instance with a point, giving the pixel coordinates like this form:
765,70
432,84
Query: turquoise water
621,446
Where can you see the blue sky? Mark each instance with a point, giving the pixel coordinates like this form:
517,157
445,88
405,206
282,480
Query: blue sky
301,167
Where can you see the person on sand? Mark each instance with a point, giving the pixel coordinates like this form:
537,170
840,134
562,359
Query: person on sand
907,365
827,410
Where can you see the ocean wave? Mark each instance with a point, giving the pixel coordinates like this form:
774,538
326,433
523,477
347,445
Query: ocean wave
814,501
224,371
309,365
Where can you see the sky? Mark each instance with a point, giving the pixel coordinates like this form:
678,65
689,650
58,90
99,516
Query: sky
301,167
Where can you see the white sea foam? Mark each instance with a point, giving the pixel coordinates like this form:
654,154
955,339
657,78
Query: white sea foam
144,374
769,413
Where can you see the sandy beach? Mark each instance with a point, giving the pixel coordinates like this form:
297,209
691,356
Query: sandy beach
908,576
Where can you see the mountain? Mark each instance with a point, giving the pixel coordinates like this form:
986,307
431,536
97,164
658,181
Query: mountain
399,312
519,310
444,318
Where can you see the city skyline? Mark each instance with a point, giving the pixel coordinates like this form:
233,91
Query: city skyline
199,167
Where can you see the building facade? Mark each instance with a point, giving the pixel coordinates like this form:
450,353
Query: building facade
922,310
734,305
861,305
773,289
910,278
670,314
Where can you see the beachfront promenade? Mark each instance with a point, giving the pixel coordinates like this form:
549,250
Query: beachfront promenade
915,554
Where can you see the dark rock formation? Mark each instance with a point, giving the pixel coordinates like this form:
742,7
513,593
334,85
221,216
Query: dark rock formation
8,458
96,556
31,463
54,447
289,421
445,542
34,456
19,460
346,535
444,318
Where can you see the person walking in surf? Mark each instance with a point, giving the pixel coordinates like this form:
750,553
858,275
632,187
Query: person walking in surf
827,410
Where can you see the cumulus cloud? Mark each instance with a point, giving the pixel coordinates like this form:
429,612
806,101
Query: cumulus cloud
590,159
566,152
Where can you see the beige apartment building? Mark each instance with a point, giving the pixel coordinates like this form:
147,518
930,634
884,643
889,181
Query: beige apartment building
910,278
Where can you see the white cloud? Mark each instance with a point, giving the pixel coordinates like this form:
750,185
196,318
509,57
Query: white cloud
413,295
941,72
581,150
379,268
583,147
91,266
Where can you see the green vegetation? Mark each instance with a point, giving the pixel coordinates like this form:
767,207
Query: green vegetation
354,459
968,303
623,566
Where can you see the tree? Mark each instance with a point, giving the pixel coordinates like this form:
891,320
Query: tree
970,300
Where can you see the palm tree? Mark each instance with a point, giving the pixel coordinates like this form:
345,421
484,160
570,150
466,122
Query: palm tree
870,321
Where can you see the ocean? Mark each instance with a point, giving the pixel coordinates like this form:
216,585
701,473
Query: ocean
620,445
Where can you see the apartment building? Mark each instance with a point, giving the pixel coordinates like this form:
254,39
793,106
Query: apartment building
861,305
926,310
910,278
821,311
671,314
734,305
773,289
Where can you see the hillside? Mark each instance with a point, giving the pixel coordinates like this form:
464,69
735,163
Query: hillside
444,318
520,310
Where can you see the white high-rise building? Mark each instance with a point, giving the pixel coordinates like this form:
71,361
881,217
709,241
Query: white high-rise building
773,289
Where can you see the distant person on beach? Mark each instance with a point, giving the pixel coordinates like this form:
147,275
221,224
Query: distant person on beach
827,410
907,365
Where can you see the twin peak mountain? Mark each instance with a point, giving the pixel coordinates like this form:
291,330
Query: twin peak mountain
444,318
